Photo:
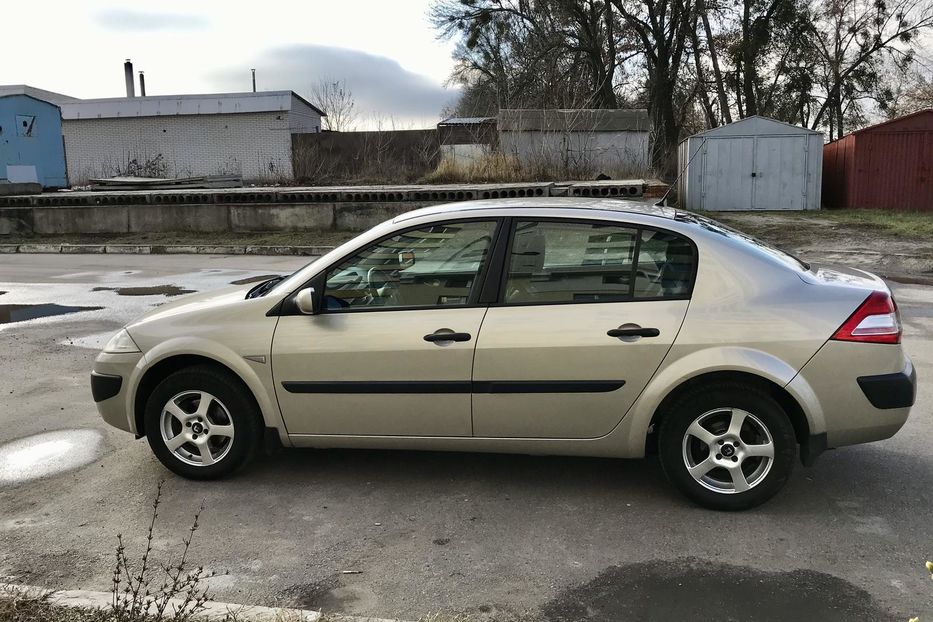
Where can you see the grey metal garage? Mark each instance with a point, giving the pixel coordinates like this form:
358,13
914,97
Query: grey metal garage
753,164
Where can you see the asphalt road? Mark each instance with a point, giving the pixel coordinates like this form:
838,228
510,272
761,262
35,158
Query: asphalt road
493,536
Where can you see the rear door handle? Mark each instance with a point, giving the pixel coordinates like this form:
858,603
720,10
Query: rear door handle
447,335
635,331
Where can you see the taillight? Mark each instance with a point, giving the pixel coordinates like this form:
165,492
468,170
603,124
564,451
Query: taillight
875,321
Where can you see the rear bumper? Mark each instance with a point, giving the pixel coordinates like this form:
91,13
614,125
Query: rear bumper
886,391
856,392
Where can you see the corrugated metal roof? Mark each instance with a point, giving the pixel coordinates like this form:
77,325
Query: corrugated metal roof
467,121
907,119
756,125
169,105
574,120
47,103
47,96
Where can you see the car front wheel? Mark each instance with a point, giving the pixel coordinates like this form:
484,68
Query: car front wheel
728,446
202,423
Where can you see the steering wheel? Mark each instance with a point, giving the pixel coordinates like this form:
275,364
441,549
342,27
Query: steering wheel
368,283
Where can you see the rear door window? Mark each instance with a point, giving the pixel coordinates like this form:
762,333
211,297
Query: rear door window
582,262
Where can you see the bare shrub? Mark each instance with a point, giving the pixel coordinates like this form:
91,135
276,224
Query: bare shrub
157,592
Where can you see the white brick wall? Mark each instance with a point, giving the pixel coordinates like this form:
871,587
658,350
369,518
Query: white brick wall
302,118
254,145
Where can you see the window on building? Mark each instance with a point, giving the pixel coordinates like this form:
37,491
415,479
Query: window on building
25,125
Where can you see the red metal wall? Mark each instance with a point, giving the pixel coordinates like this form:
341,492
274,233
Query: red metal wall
887,166
838,162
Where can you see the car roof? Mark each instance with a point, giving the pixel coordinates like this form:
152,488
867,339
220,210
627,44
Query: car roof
605,205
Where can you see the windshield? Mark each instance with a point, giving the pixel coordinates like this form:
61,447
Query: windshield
717,227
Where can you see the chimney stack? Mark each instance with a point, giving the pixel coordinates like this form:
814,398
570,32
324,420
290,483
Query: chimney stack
128,74
254,80
142,84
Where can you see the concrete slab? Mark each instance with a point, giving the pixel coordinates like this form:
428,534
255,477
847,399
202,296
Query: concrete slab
84,249
40,248
128,249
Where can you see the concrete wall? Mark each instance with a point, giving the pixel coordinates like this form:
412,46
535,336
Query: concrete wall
209,218
254,145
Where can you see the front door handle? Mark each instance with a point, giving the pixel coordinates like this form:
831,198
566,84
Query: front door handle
445,334
633,331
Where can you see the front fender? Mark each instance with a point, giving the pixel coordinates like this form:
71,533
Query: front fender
256,376
680,367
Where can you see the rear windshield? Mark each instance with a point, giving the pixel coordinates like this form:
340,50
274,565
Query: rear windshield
717,227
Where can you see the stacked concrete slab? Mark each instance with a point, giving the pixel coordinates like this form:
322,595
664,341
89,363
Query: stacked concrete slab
338,208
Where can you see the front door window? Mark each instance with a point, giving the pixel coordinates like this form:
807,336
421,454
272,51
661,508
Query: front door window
434,266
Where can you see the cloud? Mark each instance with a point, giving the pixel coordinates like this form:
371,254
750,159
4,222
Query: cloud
148,21
382,88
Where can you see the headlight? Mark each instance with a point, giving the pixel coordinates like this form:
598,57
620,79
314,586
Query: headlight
121,343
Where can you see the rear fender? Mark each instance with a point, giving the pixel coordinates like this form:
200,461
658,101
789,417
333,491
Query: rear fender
684,366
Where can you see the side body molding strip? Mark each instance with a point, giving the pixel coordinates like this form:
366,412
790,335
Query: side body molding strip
454,386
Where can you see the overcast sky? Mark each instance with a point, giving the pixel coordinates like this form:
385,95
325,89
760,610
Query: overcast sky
386,50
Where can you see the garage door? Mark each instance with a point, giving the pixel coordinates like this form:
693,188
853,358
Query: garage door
755,173
727,174
780,172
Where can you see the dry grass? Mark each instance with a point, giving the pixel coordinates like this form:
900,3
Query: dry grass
16,607
497,167
492,167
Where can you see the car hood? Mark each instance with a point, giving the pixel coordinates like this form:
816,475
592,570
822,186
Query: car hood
194,302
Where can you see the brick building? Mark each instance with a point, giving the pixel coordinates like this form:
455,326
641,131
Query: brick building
183,135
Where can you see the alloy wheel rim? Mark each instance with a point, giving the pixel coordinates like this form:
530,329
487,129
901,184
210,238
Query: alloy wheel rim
728,450
197,428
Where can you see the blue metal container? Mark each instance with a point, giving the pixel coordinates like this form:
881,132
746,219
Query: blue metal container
31,145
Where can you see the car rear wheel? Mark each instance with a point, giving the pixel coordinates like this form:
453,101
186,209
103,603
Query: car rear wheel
202,423
727,446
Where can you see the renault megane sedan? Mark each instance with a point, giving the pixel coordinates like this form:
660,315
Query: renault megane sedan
540,326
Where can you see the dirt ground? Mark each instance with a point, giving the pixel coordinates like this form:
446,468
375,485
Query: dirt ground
897,246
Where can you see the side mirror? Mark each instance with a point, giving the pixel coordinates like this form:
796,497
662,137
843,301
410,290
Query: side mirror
305,301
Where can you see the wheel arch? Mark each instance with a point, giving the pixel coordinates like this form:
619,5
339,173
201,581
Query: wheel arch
161,368
788,402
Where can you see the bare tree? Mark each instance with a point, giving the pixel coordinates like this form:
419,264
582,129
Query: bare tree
852,39
663,28
335,98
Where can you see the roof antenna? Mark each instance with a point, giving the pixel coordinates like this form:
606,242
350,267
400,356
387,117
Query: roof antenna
660,202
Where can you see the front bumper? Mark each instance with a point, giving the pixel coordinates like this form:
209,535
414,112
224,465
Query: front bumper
111,381
105,386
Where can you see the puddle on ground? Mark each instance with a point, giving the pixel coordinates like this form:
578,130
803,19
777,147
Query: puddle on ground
681,589
154,290
21,313
47,454
254,279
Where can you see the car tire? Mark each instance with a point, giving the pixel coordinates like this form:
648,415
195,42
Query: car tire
202,423
704,458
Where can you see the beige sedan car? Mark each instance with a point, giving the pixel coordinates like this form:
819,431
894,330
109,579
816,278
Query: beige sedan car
540,326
